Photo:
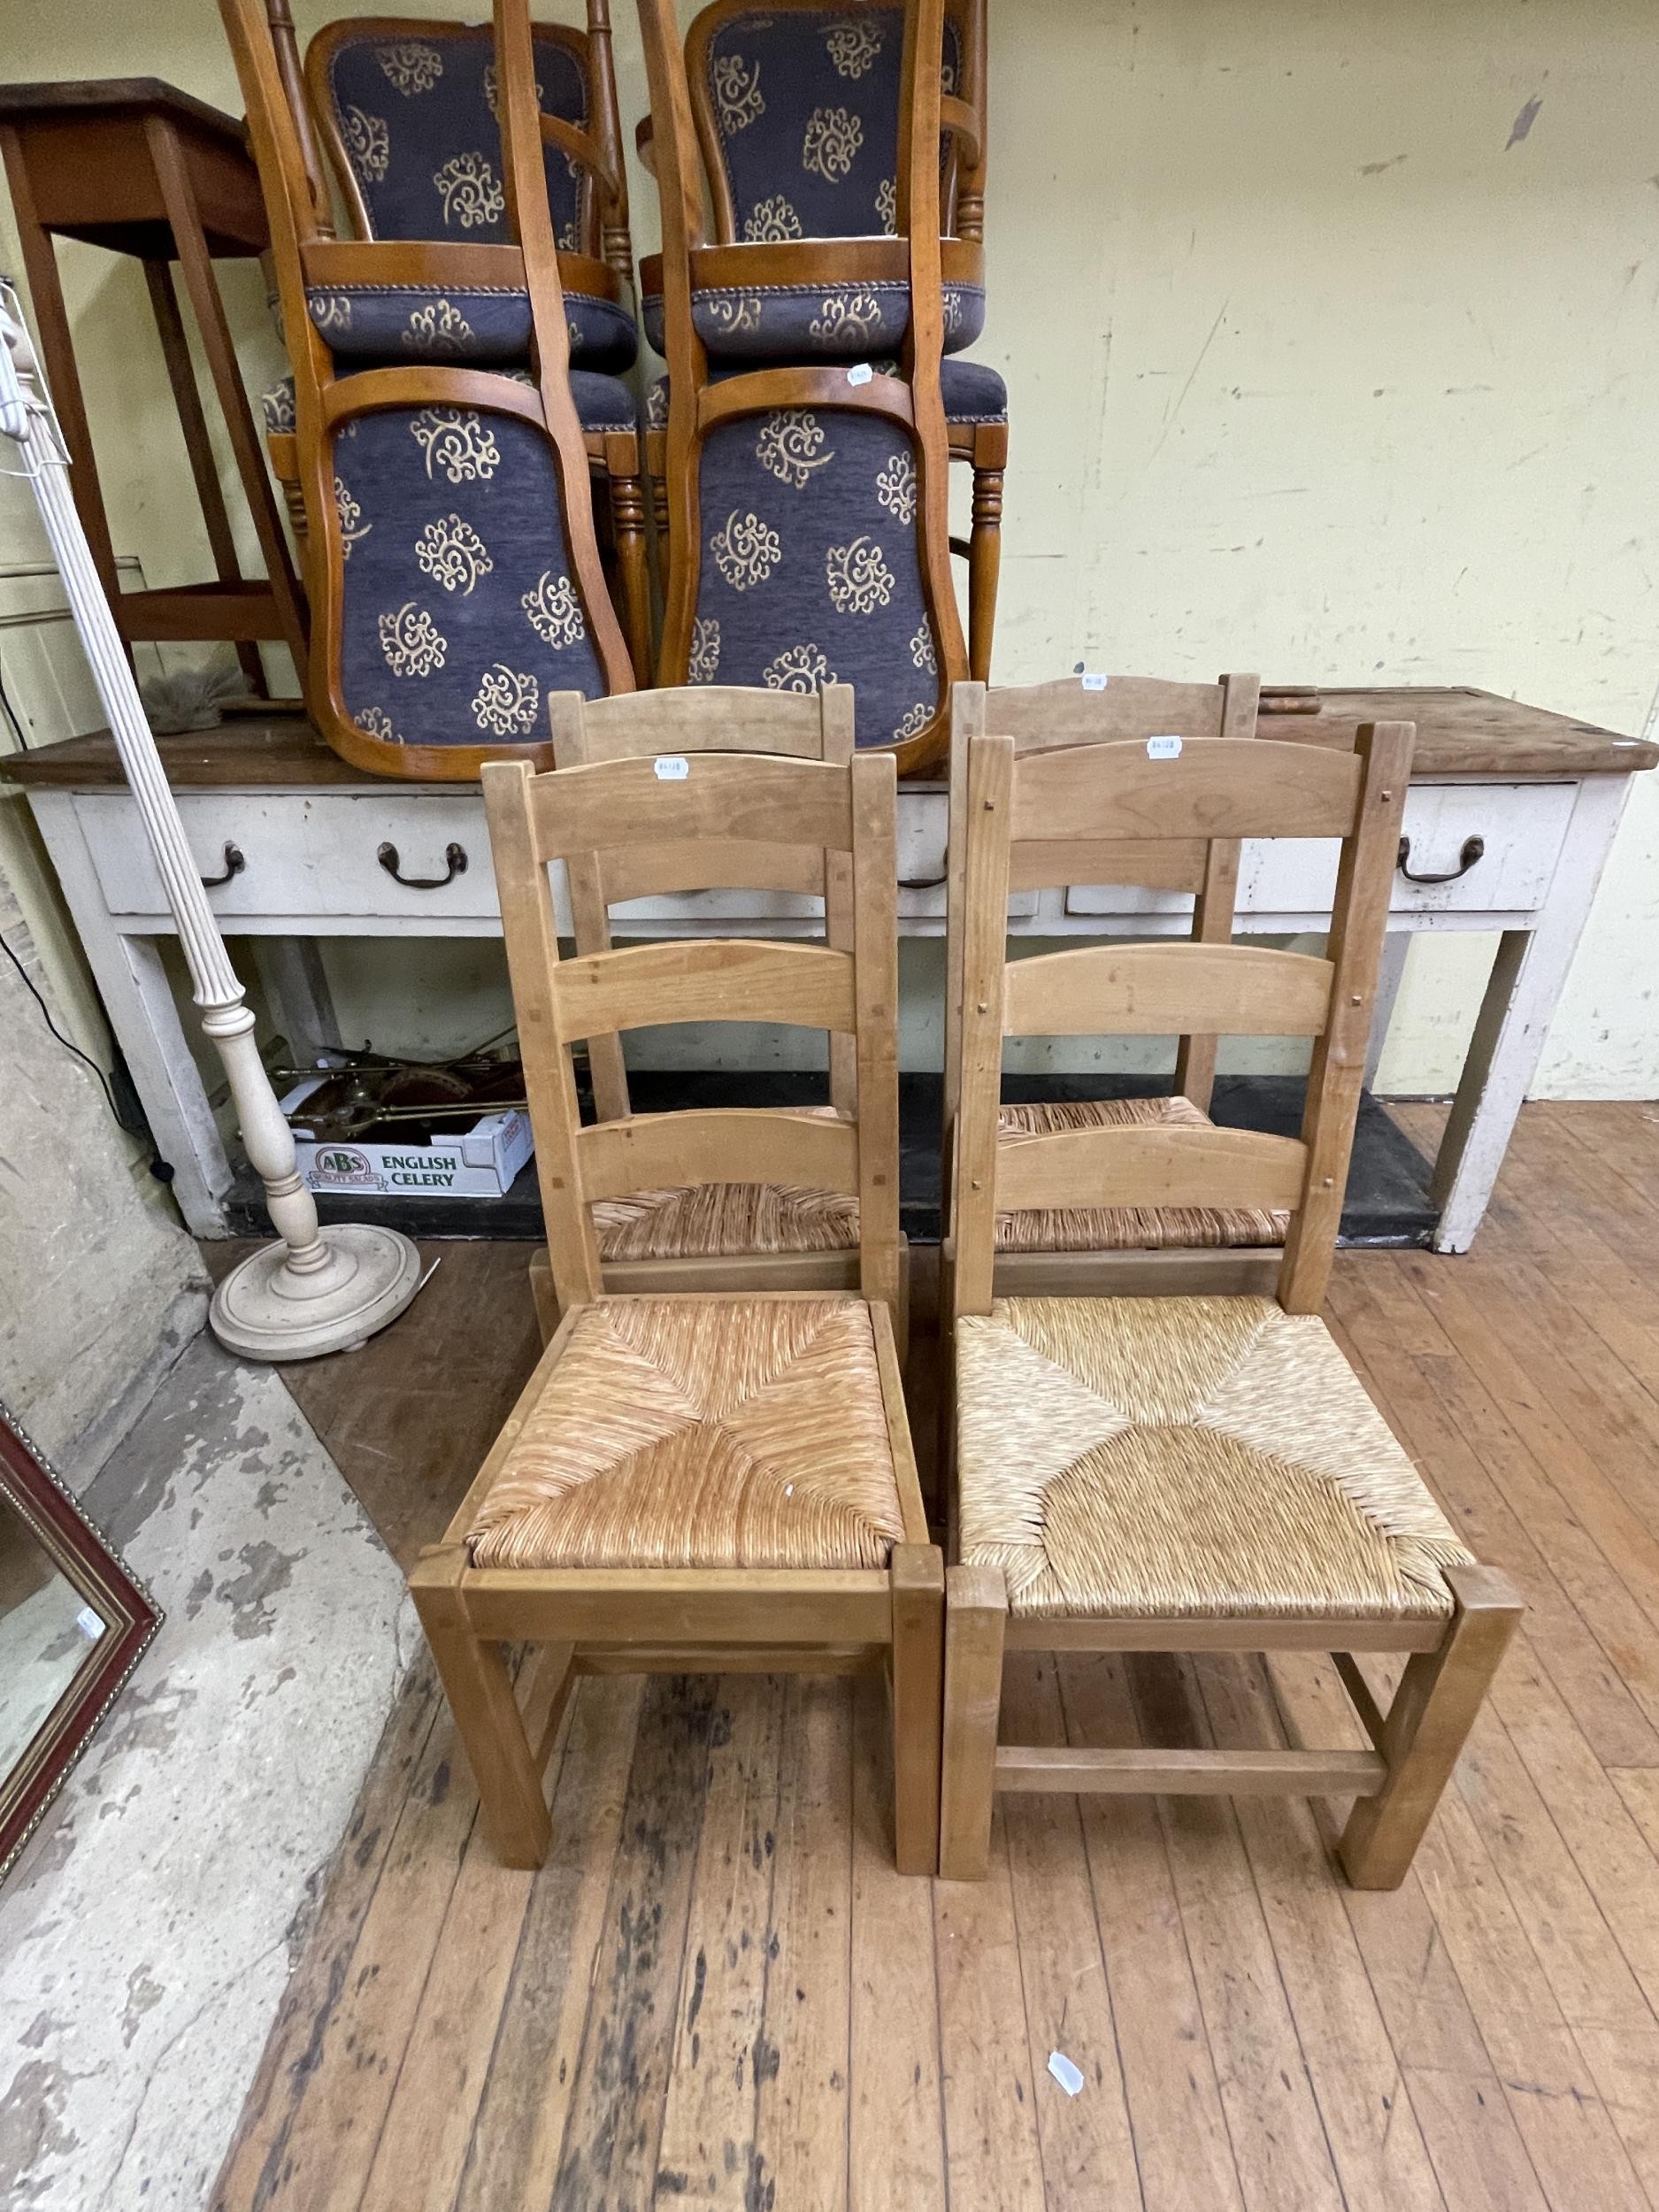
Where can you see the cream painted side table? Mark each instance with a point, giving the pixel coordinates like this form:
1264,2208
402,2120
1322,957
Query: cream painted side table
1509,820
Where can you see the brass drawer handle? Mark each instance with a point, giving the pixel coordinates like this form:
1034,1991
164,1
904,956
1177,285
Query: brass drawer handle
234,866
1474,850
454,855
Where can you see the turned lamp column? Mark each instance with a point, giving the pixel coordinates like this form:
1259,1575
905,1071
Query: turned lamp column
318,1290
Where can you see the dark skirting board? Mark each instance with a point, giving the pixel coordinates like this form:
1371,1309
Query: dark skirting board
1388,1201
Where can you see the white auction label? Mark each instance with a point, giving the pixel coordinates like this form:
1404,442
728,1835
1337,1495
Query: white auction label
1164,747
1095,683
674,767
861,374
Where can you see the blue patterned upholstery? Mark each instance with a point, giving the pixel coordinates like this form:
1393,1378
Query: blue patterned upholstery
973,392
805,322
412,322
811,569
601,403
417,115
806,114
458,613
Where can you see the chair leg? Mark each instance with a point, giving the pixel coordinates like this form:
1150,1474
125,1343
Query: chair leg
976,1621
486,1717
1433,1710
985,564
627,523
918,1653
544,1296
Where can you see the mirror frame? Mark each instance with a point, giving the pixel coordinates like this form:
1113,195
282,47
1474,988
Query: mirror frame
102,1580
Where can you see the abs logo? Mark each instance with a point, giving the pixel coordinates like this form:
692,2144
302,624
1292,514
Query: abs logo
338,1166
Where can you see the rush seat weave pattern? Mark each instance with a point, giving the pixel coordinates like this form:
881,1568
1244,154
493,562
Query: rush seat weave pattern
724,1221
702,1432
1198,1458
1129,1228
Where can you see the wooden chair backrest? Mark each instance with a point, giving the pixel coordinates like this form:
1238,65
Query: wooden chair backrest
593,145
753,801
1215,787
963,105
1041,718
912,399
306,253
648,725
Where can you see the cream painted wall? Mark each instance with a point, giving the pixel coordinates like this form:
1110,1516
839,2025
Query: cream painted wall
1331,338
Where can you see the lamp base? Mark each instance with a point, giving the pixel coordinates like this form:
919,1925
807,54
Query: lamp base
264,1310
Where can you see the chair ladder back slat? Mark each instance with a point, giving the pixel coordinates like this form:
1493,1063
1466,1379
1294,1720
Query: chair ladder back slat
703,980
1150,1168
1218,788
530,928
706,1145
1150,990
757,799
1359,916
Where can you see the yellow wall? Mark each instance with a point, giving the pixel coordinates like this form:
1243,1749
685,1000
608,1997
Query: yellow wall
1333,343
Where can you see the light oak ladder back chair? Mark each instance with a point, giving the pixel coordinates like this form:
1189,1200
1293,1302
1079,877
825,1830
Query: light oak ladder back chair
802,263
719,1236
1071,1249
808,537
1191,1473
698,1483
453,562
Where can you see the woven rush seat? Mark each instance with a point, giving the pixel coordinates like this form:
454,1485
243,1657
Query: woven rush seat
1193,1458
701,1432
1126,1228
724,1221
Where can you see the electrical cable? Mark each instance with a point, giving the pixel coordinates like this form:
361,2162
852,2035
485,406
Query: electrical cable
68,1045
12,717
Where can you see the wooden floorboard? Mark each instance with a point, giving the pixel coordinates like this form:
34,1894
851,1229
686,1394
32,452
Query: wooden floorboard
718,1990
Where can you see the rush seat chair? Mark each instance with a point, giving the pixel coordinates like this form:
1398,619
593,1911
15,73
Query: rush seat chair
1190,1473
694,1483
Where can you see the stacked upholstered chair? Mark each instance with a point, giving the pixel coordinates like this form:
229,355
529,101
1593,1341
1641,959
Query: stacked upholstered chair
801,434
473,262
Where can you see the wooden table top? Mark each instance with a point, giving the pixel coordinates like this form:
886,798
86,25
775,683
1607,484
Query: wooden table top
102,95
1460,732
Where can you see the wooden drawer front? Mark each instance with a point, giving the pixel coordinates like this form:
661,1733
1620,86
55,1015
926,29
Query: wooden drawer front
1523,824
302,856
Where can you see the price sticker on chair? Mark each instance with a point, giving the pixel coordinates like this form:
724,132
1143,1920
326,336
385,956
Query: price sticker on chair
1163,748
861,372
672,767
1093,682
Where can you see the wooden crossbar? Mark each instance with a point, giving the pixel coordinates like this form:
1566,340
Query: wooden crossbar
1152,1166
719,1145
1153,990
1036,864
1190,1773
749,797
1214,786
698,980
709,864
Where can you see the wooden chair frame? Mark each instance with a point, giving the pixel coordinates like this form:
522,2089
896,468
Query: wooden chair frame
306,252
671,1621
1215,789
710,718
913,400
724,260
1042,718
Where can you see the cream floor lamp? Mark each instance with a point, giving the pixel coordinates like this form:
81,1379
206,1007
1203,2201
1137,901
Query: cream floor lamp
320,1290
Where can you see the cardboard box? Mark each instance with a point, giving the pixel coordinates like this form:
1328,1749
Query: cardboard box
477,1163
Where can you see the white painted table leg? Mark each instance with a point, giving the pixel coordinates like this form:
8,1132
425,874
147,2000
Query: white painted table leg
1521,997
139,1000
1390,973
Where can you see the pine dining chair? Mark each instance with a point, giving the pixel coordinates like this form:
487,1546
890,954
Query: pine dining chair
1072,1249
452,555
698,1483
1182,1474
717,1236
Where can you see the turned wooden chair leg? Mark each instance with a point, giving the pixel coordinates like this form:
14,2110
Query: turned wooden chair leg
985,566
627,523
486,1717
976,1621
918,1683
1433,1710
